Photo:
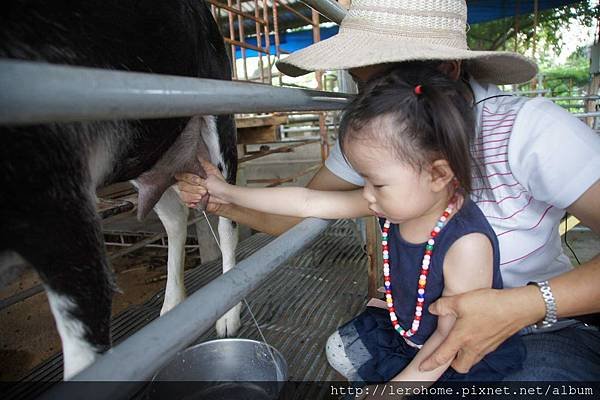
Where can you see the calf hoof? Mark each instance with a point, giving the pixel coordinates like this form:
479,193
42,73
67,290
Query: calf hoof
229,324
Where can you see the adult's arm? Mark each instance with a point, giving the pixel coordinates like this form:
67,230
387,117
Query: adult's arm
486,318
468,265
263,222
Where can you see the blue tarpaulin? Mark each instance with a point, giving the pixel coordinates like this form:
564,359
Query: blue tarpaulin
489,10
478,11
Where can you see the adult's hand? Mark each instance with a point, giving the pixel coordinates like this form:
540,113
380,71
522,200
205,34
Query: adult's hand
485,318
191,191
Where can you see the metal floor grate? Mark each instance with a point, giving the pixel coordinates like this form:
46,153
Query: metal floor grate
297,308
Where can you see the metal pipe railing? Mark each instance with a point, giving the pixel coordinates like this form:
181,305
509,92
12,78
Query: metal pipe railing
587,114
327,8
40,93
134,361
573,98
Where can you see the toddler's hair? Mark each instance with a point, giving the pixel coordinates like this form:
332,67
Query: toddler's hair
435,121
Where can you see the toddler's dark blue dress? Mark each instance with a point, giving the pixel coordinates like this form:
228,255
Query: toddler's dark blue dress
379,353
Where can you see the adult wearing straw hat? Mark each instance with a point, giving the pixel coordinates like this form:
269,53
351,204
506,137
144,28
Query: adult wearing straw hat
531,184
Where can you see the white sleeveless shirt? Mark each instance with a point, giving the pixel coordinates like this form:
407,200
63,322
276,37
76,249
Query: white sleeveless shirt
538,159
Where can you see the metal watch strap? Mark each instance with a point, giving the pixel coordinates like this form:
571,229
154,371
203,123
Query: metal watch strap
550,318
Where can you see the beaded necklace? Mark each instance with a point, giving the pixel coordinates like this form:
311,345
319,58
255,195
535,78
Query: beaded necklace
422,278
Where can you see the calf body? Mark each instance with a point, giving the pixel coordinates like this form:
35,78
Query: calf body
50,172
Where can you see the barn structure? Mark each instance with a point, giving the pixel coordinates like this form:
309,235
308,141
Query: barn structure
298,287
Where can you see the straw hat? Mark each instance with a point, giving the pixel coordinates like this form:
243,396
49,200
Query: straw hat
389,31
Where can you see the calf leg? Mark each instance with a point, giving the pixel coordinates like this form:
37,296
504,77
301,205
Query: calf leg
229,323
173,214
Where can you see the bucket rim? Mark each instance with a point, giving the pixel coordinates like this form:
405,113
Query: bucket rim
280,358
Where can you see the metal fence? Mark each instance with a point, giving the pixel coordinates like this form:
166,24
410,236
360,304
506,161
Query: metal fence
34,93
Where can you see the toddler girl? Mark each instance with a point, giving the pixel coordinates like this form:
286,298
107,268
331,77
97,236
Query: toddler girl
408,134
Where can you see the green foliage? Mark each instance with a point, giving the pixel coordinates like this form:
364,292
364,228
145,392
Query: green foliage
517,34
568,78
500,34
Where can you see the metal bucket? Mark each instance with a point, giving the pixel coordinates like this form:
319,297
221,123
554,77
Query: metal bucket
222,369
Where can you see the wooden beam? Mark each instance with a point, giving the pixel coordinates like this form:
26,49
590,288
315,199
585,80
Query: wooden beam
262,120
258,134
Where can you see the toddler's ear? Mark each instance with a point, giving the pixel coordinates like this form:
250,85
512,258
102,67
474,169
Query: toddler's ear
441,175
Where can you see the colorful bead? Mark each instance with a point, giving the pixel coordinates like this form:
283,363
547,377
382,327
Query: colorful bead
422,277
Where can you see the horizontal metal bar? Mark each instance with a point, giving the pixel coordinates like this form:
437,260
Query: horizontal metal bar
245,45
297,13
328,8
589,114
149,246
283,149
295,176
39,93
20,296
308,129
137,359
524,92
590,98
302,118
236,11
144,242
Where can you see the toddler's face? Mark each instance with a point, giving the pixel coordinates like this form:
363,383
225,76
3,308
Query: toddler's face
394,189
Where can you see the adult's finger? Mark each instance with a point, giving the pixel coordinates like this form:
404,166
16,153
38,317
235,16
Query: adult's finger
208,166
187,197
212,207
187,177
450,347
445,353
190,188
465,360
444,306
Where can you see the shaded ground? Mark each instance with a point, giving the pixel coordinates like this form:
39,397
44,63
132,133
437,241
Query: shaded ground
28,335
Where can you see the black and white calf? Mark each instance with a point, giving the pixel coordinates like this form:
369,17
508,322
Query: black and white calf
49,173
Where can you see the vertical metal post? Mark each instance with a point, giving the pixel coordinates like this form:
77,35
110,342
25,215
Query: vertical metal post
267,40
259,42
515,87
276,32
373,246
324,137
242,33
232,37
317,38
319,78
534,82
517,20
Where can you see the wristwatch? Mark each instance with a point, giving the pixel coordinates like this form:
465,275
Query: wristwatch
550,318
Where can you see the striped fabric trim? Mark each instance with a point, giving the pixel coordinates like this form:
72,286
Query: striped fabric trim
524,256
411,22
407,12
513,214
503,199
494,121
483,150
488,156
531,228
448,38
